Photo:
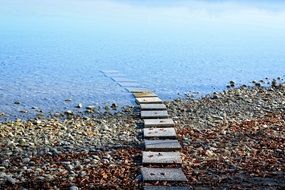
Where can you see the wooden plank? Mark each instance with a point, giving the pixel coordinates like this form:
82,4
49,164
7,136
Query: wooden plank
153,106
166,188
159,133
162,145
144,94
128,84
158,122
122,79
111,75
148,100
134,90
161,157
154,114
109,71
163,174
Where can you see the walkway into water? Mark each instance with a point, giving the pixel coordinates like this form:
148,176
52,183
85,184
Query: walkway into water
161,157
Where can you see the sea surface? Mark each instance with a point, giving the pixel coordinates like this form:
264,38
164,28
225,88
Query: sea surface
53,50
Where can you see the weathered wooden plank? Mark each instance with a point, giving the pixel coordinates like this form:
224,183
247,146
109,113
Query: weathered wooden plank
144,94
128,84
111,75
109,71
148,100
166,188
158,122
154,114
135,90
153,106
122,79
161,157
162,145
159,133
163,174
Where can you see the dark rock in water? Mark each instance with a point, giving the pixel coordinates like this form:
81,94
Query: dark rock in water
274,83
17,102
23,111
79,105
257,84
114,106
232,83
90,107
68,112
215,96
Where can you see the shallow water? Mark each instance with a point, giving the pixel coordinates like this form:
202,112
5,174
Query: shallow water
52,50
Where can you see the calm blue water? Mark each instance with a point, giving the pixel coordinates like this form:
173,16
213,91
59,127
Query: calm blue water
51,50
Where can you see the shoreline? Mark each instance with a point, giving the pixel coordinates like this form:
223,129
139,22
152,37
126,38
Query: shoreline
212,129
93,110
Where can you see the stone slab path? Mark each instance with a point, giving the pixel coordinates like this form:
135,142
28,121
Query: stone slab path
161,146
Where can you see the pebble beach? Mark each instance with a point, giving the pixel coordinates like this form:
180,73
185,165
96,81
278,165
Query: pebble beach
233,139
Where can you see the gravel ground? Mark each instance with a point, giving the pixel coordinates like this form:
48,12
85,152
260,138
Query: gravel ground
233,140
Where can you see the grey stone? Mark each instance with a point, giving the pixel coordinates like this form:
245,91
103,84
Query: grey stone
10,180
159,122
26,160
148,100
153,106
73,188
162,145
159,133
154,114
161,157
163,174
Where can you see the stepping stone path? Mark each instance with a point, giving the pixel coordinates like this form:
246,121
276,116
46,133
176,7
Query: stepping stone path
162,148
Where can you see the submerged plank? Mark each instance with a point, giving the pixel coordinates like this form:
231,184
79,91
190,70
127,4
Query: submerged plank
134,90
128,84
122,79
